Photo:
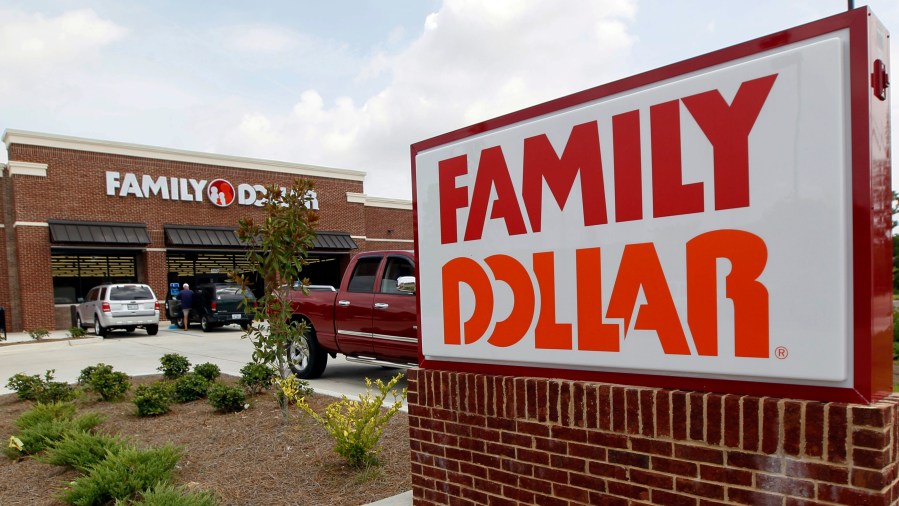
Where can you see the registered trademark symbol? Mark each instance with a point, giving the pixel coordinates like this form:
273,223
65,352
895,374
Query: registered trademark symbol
781,352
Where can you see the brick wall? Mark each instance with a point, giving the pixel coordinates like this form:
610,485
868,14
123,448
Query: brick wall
479,439
36,293
154,274
388,223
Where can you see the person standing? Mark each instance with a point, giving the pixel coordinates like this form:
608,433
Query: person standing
186,296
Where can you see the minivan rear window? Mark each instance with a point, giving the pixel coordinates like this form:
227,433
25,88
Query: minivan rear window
131,292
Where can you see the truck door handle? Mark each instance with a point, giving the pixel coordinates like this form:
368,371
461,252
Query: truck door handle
343,303
380,305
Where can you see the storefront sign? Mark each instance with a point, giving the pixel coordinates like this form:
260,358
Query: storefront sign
219,192
688,227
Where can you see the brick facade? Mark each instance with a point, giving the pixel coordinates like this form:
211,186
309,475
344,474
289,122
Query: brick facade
388,223
36,286
481,439
72,187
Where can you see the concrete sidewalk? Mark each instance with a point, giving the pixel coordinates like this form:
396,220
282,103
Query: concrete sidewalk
134,353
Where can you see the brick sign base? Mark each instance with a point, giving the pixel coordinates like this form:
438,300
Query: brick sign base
480,439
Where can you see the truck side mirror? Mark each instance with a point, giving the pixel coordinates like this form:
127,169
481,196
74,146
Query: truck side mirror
406,284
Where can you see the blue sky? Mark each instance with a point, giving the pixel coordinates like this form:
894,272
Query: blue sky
347,84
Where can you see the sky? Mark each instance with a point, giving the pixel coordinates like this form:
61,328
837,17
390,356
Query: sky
345,83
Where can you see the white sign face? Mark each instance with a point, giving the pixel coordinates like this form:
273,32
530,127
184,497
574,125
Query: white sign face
219,192
699,226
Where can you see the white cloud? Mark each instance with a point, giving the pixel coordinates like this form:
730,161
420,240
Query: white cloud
266,39
40,51
474,60
40,40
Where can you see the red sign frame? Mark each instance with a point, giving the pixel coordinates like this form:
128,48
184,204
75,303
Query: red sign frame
871,216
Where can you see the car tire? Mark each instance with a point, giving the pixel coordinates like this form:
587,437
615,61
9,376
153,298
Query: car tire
99,329
152,330
306,358
204,324
78,322
244,326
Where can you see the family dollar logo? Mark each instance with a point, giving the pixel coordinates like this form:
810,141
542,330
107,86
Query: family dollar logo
220,192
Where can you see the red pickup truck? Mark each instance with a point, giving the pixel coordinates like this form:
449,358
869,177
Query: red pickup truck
372,318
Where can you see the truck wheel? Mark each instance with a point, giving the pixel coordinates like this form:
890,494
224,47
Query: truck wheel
306,358
204,324
152,330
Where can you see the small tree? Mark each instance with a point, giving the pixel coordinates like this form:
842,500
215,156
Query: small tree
278,249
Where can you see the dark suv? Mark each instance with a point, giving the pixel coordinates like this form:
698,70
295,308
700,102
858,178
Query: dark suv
214,305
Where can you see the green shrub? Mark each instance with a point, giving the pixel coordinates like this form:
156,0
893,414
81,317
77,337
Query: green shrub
208,370
164,494
153,399
36,436
256,377
173,365
190,387
357,426
40,413
85,375
77,332
105,382
45,390
25,386
81,450
38,334
123,474
56,391
227,399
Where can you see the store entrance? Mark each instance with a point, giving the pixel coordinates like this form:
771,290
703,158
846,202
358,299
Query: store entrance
197,267
324,269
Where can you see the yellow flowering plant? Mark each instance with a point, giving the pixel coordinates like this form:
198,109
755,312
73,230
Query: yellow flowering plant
355,425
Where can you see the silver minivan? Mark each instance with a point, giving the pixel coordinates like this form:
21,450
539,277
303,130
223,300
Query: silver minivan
119,306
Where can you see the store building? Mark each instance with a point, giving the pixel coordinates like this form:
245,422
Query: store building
78,212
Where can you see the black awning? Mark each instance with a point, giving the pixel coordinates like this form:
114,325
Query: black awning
190,236
333,241
176,235
95,232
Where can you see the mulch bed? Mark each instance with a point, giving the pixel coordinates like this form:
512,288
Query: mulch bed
247,458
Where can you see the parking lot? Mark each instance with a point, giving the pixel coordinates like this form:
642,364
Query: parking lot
137,354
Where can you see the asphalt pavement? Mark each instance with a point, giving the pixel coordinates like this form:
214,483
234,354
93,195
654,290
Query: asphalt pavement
138,354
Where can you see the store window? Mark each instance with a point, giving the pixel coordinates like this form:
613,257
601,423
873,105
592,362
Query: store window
75,275
205,267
